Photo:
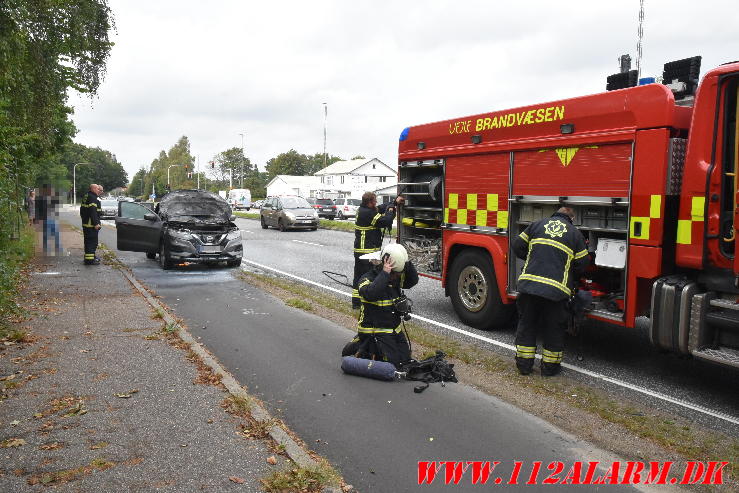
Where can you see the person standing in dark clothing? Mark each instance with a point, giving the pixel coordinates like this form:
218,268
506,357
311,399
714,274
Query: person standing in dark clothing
556,256
90,210
369,224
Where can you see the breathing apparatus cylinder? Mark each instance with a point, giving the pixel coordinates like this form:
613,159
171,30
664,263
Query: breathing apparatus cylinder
379,370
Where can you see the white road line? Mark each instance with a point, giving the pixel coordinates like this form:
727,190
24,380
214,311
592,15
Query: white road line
592,374
308,243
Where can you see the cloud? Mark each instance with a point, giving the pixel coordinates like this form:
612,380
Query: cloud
213,70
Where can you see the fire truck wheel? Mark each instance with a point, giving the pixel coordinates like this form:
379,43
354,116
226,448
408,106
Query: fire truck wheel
474,291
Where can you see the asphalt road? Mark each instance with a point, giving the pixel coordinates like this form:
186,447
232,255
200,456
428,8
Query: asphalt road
374,432
616,352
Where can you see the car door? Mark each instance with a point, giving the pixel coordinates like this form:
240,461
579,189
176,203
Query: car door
276,211
138,229
267,211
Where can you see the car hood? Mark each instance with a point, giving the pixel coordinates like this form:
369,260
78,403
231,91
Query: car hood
197,207
303,211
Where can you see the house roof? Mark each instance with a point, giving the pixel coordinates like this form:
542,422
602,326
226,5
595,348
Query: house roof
293,180
346,167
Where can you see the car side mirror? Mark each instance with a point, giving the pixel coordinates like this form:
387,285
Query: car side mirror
150,217
232,218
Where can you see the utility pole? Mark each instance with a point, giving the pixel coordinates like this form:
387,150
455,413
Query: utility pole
243,158
640,32
168,182
325,117
198,171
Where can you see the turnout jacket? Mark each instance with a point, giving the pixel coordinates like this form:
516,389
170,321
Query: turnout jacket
368,227
377,293
90,210
555,254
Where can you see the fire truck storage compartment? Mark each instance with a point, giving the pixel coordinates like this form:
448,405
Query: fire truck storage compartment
603,222
421,183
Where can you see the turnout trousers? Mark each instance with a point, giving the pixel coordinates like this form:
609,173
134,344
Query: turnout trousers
361,267
91,243
539,315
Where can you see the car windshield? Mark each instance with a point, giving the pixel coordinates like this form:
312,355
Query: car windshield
354,202
295,203
109,203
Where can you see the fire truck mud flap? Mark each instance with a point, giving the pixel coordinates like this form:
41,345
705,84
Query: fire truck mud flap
474,292
672,298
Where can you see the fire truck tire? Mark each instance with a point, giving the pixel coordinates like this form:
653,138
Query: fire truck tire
474,292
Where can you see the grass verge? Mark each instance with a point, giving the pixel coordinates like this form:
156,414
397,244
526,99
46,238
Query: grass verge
301,479
607,417
322,223
14,257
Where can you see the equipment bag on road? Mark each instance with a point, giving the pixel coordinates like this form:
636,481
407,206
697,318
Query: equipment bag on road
434,369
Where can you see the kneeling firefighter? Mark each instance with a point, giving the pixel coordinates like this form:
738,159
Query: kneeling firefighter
379,332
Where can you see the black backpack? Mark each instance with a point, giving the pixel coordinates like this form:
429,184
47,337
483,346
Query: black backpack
434,369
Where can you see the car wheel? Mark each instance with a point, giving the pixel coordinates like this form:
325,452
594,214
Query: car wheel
151,255
474,292
314,228
264,225
281,225
233,263
164,261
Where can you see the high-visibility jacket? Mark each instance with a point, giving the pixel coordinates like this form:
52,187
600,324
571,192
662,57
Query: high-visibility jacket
377,291
90,210
368,227
555,254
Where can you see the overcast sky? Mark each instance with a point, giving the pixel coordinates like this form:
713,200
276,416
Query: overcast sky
212,70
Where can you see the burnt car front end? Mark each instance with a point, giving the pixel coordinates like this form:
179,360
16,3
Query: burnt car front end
202,243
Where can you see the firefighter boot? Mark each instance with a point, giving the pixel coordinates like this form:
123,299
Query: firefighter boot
524,365
550,369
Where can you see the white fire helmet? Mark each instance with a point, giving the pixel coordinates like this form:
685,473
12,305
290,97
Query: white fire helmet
398,255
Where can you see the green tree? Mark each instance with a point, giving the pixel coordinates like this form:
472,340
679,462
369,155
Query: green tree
46,48
103,168
233,161
178,161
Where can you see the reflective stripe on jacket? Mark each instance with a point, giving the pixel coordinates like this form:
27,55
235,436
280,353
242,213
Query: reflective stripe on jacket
368,227
555,254
377,293
90,210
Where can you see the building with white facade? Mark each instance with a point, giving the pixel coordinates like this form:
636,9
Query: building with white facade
305,186
353,178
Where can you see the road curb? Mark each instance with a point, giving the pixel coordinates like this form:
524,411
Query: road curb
293,450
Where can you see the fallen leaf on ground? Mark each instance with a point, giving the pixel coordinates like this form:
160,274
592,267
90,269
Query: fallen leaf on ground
77,410
237,479
12,442
271,460
15,423
126,395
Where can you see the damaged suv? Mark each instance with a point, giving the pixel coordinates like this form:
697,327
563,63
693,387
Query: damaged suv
186,226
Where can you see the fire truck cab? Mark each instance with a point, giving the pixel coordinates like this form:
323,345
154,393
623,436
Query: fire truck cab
650,171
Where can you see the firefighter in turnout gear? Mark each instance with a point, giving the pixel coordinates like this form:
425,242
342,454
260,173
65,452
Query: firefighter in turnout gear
556,256
379,332
369,224
90,211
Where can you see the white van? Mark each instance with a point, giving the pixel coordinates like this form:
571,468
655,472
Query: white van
239,198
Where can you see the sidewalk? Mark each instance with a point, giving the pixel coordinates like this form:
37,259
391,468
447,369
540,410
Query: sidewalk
100,399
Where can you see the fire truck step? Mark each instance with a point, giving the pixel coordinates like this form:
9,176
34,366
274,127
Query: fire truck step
728,304
722,355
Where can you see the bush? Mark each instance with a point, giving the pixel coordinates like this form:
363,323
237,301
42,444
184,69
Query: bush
14,256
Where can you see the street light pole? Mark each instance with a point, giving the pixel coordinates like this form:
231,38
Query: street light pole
168,182
242,160
74,182
325,117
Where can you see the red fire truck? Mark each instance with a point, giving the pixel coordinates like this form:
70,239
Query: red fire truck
650,171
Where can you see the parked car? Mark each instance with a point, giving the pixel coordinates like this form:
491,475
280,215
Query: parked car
324,207
346,207
109,208
185,226
257,204
286,212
